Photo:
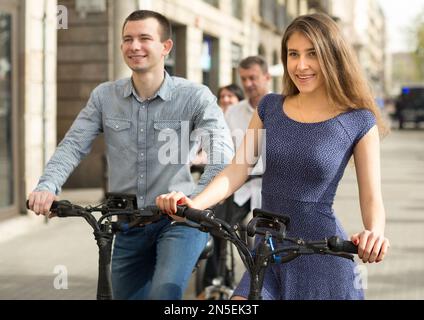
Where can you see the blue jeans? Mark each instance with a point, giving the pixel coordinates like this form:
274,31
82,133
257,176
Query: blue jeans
155,262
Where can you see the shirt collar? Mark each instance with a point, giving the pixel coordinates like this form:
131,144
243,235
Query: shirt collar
164,92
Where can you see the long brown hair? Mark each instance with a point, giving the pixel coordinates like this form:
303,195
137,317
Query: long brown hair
345,82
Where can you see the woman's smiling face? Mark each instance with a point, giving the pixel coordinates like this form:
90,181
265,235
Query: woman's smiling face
303,65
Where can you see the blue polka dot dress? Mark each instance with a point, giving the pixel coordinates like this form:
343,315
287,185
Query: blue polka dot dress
304,164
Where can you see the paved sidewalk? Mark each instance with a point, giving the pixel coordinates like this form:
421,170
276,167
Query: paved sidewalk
33,253
30,262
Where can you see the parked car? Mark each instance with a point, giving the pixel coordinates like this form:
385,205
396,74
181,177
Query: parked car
410,106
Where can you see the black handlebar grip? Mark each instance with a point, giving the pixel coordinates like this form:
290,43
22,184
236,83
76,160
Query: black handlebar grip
195,215
180,211
339,245
54,205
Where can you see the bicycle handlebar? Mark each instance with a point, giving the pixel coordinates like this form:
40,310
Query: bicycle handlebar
53,206
189,213
336,244
63,205
195,215
271,226
66,209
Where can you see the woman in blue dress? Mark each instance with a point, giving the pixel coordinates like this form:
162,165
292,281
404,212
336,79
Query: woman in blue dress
325,116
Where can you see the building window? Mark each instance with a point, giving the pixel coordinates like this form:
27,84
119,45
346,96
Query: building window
237,8
274,13
172,57
267,11
319,5
236,56
176,62
6,145
210,62
214,3
261,51
180,50
280,17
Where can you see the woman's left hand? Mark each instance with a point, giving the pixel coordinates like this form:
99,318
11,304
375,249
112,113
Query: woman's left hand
372,246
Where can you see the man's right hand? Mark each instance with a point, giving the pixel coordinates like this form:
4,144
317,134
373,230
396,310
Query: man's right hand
41,201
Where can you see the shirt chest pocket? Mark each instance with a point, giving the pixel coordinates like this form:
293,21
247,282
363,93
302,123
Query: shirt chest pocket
117,132
167,131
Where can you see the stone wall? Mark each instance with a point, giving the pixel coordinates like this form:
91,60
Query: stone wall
83,59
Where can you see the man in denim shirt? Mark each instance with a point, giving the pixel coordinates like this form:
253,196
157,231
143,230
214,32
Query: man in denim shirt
148,121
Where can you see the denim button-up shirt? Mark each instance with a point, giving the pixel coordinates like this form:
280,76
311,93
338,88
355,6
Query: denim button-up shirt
149,143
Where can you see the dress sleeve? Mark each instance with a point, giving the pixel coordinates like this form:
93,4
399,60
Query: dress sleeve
265,104
366,121
262,107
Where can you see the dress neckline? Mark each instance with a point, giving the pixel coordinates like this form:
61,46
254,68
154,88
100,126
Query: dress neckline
285,115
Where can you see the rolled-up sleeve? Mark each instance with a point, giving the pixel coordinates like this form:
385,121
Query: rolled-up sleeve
216,138
74,147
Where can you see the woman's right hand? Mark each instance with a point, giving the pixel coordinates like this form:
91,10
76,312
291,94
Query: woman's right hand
168,203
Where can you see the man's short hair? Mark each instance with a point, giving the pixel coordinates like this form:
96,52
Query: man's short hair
165,25
251,61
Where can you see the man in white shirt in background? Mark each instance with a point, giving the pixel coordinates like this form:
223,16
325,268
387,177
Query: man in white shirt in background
255,80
